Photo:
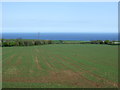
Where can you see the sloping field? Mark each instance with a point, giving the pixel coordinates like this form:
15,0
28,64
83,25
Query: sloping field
60,65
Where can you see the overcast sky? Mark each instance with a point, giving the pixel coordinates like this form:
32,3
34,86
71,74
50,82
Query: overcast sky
60,17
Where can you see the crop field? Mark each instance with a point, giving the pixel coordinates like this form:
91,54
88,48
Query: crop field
60,66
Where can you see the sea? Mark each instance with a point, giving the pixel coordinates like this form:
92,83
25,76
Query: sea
62,36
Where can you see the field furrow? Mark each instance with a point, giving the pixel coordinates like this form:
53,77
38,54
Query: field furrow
61,65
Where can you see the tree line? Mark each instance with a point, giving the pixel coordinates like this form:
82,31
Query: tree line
23,42
102,42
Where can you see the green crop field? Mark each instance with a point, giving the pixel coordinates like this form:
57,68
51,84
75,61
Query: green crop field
60,66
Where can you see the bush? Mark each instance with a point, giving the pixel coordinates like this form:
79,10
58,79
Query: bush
106,41
100,42
19,42
97,42
5,44
49,42
37,42
93,42
12,43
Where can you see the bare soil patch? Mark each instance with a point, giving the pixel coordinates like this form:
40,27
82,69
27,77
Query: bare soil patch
66,77
37,63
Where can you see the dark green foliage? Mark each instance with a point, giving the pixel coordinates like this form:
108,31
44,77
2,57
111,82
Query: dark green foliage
49,41
100,42
12,43
5,44
24,42
97,42
46,41
60,41
8,43
27,43
111,42
19,42
107,41
38,42
93,42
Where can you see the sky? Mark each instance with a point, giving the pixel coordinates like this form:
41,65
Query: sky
88,17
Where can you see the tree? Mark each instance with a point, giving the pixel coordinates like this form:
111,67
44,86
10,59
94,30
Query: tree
49,42
19,42
107,41
94,42
5,44
12,43
100,42
60,41
37,42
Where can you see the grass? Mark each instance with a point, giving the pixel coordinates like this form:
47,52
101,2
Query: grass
34,85
60,65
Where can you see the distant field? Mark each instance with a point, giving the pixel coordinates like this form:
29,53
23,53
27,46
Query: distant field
60,65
